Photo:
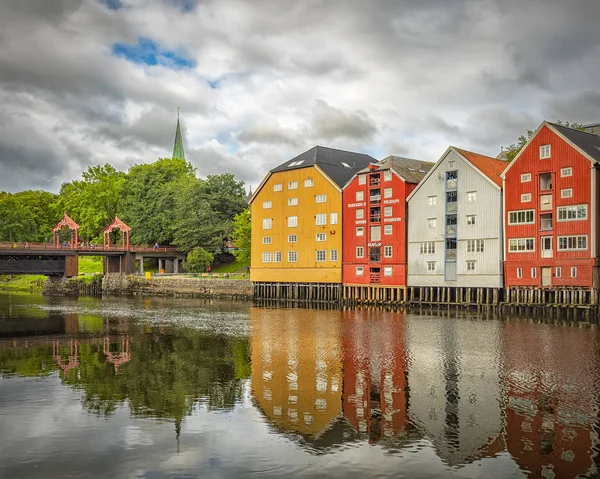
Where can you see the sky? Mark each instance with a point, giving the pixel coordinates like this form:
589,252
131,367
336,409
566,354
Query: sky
88,82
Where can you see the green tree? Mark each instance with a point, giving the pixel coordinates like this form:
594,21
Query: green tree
198,260
514,149
16,220
94,201
205,212
242,235
150,196
45,211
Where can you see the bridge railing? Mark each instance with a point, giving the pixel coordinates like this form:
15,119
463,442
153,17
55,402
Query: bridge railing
20,246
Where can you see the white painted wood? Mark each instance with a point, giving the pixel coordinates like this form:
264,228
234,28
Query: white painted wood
488,226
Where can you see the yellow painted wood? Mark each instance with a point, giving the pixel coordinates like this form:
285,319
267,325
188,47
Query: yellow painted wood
307,269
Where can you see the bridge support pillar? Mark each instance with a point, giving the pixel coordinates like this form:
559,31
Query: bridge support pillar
175,265
160,265
141,265
124,264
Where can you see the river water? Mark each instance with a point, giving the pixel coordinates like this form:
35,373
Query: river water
152,388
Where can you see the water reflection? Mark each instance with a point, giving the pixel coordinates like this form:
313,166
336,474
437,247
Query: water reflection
418,394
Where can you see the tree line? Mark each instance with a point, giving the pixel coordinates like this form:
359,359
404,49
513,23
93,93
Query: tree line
164,202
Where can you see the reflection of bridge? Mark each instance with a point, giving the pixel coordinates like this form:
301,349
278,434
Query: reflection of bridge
58,258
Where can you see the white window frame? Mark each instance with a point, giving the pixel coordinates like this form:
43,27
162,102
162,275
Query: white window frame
333,255
267,240
471,220
362,179
545,152
526,198
309,183
475,246
387,192
278,187
387,229
360,213
292,201
360,196
387,211
534,272
277,257
321,255
292,238
292,256
360,271
387,175
292,221
267,205
515,220
573,271
321,198
471,196
266,257
387,271
575,242
525,177
427,247
267,224
292,185
360,251
568,210
566,193
558,272
321,237
432,222
388,251
321,219
451,164
519,273
432,200
360,231
515,243
333,219
430,267
470,265
566,171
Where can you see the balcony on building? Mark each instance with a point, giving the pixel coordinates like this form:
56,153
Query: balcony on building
451,180
545,181
375,275
375,196
545,202
451,225
375,254
546,222
375,215
374,180
451,201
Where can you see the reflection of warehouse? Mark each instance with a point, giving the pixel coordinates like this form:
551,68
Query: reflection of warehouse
551,404
297,370
375,388
455,391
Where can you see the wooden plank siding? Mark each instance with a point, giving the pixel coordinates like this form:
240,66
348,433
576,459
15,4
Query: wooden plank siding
487,209
306,269
397,240
581,183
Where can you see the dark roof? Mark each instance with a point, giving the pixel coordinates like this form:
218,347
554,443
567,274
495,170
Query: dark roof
339,165
588,142
411,171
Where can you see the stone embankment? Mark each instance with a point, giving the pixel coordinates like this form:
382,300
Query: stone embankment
178,286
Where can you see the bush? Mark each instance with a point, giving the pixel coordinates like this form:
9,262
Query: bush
198,260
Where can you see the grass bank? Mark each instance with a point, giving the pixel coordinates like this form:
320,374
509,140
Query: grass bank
232,267
24,283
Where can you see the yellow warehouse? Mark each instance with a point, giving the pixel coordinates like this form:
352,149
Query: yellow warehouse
297,217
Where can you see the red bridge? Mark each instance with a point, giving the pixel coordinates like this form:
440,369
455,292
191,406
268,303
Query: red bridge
62,258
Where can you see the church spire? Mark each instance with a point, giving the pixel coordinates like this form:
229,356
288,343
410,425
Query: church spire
178,147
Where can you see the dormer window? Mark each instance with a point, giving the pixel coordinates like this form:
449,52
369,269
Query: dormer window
544,152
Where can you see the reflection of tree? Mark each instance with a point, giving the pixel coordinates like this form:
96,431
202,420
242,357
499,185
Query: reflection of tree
165,375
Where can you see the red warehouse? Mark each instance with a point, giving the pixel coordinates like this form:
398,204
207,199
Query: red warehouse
550,210
374,215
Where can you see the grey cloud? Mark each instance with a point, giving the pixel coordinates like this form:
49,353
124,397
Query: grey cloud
332,123
267,132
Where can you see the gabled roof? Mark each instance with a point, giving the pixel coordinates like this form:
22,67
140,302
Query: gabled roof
339,165
490,167
411,171
588,142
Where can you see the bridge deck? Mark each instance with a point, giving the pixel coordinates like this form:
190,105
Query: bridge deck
67,250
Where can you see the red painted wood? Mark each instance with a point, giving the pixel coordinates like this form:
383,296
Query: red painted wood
400,190
562,155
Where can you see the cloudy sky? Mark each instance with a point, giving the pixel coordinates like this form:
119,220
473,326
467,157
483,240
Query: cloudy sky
85,82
